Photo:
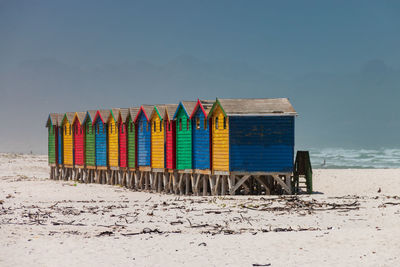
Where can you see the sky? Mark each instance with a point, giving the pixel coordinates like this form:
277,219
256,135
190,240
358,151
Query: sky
337,61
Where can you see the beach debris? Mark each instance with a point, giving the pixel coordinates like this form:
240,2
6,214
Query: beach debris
258,264
105,233
379,190
203,244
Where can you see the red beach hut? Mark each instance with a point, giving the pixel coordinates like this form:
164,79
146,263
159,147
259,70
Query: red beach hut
122,125
79,138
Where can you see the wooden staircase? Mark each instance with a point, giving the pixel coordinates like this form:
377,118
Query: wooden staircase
302,173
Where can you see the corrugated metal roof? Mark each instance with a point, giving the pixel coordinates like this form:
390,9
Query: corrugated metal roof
115,114
257,106
148,109
60,117
123,114
105,114
69,116
133,112
90,114
52,118
80,116
170,110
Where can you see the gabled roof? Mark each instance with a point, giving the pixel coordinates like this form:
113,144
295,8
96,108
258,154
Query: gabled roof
147,109
114,114
123,114
254,107
60,117
169,111
80,116
90,114
52,119
133,111
187,107
69,116
159,110
205,106
104,115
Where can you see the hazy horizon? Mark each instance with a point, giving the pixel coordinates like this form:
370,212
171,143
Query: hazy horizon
337,62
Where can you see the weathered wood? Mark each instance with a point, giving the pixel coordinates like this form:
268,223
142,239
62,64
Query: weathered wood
259,179
187,183
223,190
238,184
282,184
205,177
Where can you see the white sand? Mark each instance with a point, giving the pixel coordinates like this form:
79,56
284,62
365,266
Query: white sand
57,223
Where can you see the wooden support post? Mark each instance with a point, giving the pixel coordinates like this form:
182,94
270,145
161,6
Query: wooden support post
205,177
282,184
223,190
259,179
187,183
160,181
238,184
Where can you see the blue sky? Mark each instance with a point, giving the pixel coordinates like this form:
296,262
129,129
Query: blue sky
338,61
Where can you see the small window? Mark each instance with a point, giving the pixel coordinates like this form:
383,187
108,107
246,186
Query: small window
70,129
169,126
154,126
65,130
131,127
111,127
205,124
147,126
141,126
122,127
92,128
87,128
160,126
197,123
224,122
216,123
187,124
104,128
180,124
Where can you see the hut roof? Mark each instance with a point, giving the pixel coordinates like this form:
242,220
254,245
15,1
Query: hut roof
133,112
205,106
52,119
187,106
104,115
69,116
90,114
147,109
80,116
60,117
160,110
170,110
255,106
114,114
123,114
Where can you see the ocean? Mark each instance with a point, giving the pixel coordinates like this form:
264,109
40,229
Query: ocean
339,158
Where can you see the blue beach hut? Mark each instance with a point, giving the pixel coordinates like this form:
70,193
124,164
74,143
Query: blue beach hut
142,122
100,126
260,134
201,135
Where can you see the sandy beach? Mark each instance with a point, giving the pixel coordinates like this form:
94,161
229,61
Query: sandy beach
352,220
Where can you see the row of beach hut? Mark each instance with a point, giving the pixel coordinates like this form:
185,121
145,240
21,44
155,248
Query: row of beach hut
219,139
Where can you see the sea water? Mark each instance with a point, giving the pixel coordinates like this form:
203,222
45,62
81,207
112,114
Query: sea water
340,158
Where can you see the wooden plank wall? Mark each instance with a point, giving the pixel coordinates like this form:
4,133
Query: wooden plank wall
201,141
183,141
90,159
170,135
68,144
101,143
157,142
79,147
220,142
261,143
60,145
143,141
131,144
113,152
52,144
122,144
